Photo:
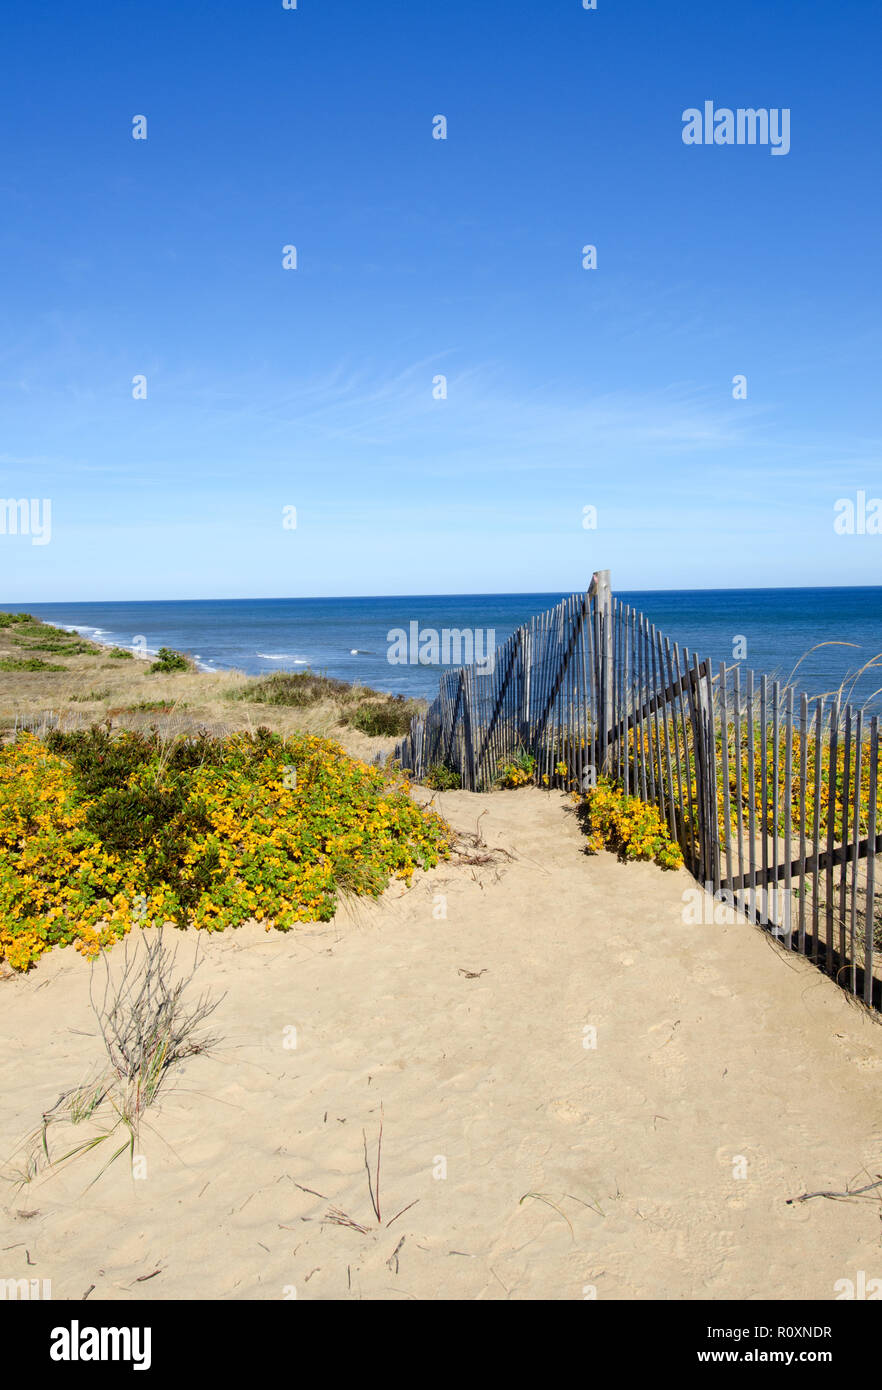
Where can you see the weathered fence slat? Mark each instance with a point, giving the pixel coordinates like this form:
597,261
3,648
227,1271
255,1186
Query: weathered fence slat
751,783
855,836
869,894
724,726
788,812
803,782
816,837
736,700
831,829
846,797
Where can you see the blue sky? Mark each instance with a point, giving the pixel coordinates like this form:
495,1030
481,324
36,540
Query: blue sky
312,387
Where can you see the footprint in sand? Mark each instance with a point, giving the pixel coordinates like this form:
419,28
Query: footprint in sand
568,1113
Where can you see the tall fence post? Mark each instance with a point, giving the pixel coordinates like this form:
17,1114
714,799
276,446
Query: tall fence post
699,752
469,779
601,592
708,719
525,655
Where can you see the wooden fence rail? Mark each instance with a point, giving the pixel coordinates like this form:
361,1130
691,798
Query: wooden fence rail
772,796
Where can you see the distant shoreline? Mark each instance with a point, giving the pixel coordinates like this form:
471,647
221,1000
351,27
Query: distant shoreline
348,639
50,677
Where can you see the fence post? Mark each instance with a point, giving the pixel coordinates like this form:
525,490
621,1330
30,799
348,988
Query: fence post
706,705
602,593
469,750
526,659
699,758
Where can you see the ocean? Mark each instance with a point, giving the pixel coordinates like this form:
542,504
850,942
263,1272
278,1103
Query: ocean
769,629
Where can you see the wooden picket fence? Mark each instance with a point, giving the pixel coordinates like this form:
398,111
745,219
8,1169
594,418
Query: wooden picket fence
772,795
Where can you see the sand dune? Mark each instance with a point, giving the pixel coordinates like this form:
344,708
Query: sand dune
531,1166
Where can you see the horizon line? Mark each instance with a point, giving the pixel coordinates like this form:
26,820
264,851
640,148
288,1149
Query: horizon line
465,593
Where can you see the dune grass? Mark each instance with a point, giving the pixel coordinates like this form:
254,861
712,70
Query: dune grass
374,713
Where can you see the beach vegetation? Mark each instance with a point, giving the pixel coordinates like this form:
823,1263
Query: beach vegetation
155,706
631,828
145,1021
385,716
36,636
167,659
440,777
517,771
28,663
370,711
102,831
295,688
149,1023
826,780
66,645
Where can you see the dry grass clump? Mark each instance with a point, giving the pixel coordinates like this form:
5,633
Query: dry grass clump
145,1022
372,712
386,716
147,1027
28,663
296,689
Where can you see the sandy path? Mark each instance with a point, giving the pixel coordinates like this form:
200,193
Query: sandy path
710,1045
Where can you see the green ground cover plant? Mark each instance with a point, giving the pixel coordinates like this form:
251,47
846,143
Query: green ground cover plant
102,831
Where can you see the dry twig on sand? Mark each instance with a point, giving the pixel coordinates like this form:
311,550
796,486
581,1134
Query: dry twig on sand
836,1196
470,847
334,1216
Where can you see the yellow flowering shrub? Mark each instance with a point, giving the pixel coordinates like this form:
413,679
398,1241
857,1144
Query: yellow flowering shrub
100,833
632,828
519,772
642,751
